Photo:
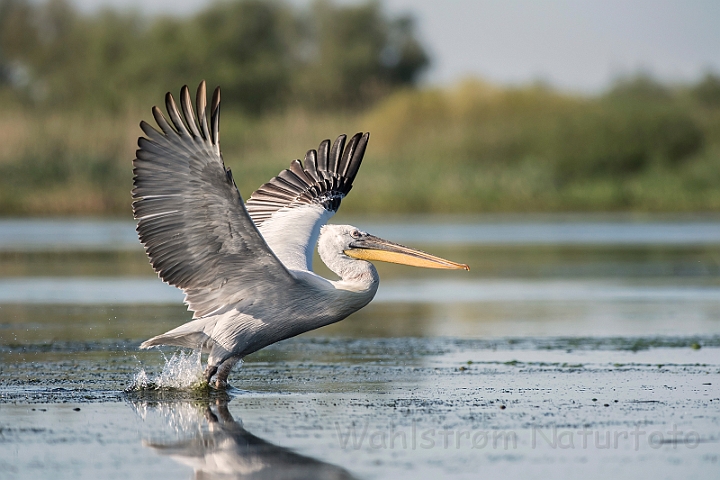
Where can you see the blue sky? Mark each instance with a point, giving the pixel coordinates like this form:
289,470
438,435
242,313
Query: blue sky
579,45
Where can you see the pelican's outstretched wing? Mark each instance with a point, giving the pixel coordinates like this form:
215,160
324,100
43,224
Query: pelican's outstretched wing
290,209
191,217
324,180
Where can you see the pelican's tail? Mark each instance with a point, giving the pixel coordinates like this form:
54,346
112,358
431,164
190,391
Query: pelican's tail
194,334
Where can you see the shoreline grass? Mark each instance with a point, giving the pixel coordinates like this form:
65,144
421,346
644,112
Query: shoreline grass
472,148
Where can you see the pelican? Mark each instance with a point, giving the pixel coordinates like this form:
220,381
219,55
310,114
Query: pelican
246,268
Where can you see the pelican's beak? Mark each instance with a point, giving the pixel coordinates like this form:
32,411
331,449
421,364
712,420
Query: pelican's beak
373,248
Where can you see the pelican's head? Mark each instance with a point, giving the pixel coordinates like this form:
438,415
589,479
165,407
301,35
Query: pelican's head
354,243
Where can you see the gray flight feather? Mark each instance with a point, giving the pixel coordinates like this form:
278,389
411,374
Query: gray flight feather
191,217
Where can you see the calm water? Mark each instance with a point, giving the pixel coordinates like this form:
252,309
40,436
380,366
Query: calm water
562,325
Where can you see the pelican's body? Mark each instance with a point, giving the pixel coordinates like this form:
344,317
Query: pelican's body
246,269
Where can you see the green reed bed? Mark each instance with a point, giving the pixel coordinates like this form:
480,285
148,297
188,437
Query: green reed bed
470,148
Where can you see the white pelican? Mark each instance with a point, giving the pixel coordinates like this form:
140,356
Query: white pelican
246,268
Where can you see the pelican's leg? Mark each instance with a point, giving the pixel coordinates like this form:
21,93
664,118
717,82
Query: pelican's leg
209,372
224,371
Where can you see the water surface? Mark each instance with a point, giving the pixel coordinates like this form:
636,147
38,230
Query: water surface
573,347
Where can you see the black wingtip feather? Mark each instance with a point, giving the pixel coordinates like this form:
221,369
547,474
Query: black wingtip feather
335,153
215,116
357,157
201,106
322,155
175,116
348,155
188,113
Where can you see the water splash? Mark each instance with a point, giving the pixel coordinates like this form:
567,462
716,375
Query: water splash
182,371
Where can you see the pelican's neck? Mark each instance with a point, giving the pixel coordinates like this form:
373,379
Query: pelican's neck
356,276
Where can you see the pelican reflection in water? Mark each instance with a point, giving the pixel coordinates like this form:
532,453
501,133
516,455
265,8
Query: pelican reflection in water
246,268
220,447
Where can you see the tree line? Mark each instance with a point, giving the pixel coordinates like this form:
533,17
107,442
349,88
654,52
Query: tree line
267,55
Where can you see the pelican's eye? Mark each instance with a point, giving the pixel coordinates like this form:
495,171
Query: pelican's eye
356,234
